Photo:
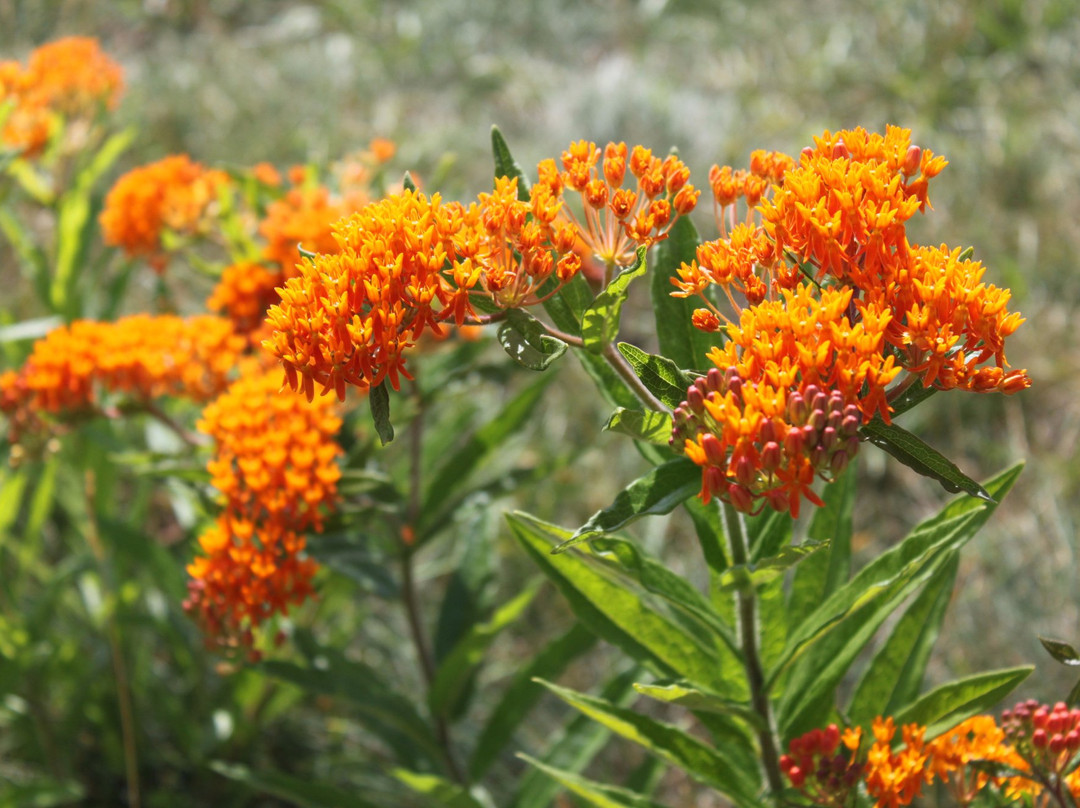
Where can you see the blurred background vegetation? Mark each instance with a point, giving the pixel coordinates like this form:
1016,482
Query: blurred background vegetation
994,85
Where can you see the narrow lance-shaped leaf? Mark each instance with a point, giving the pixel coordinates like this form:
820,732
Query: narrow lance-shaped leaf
506,165
598,794
439,790
894,676
1061,651
700,761
754,575
680,341
454,672
944,707
527,343
618,611
649,426
657,491
600,323
522,695
379,400
296,791
574,747
919,456
693,697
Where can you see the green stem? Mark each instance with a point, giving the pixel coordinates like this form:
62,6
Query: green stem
735,528
409,594
619,364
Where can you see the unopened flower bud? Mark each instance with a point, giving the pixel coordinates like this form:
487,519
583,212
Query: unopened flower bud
1057,743
715,380
745,473
695,400
817,419
793,443
771,456
838,462
1038,738
828,438
714,449
912,160
740,498
796,409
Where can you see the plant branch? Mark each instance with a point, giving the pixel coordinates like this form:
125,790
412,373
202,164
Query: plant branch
735,528
619,364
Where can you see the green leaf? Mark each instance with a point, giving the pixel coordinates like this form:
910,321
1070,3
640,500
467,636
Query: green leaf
944,707
523,693
1074,695
602,796
287,787
895,674
356,560
820,576
439,790
379,400
910,398
686,346
573,748
600,322
657,491
32,260
454,673
651,427
700,761
694,698
454,472
527,343
388,713
506,165
825,644
921,457
758,574
616,611
658,373
408,183
1061,651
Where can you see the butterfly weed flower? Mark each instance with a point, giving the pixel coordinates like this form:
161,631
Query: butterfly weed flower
824,766
65,82
275,468
174,194
819,287
348,318
630,198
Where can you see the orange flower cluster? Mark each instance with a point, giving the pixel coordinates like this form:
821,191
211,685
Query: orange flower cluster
800,379
408,263
244,293
66,80
1035,745
303,218
174,194
348,317
617,219
141,356
275,468
878,306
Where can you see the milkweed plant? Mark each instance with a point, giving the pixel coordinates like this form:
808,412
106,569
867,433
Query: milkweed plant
302,406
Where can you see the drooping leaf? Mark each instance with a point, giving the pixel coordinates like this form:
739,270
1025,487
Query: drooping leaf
527,343
1061,651
946,706
910,398
600,322
598,794
659,374
686,346
379,400
355,560
506,165
297,791
522,694
649,426
704,763
616,611
919,456
456,670
657,491
894,676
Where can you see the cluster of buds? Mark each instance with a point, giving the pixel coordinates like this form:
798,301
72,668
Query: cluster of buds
818,767
757,444
1047,737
